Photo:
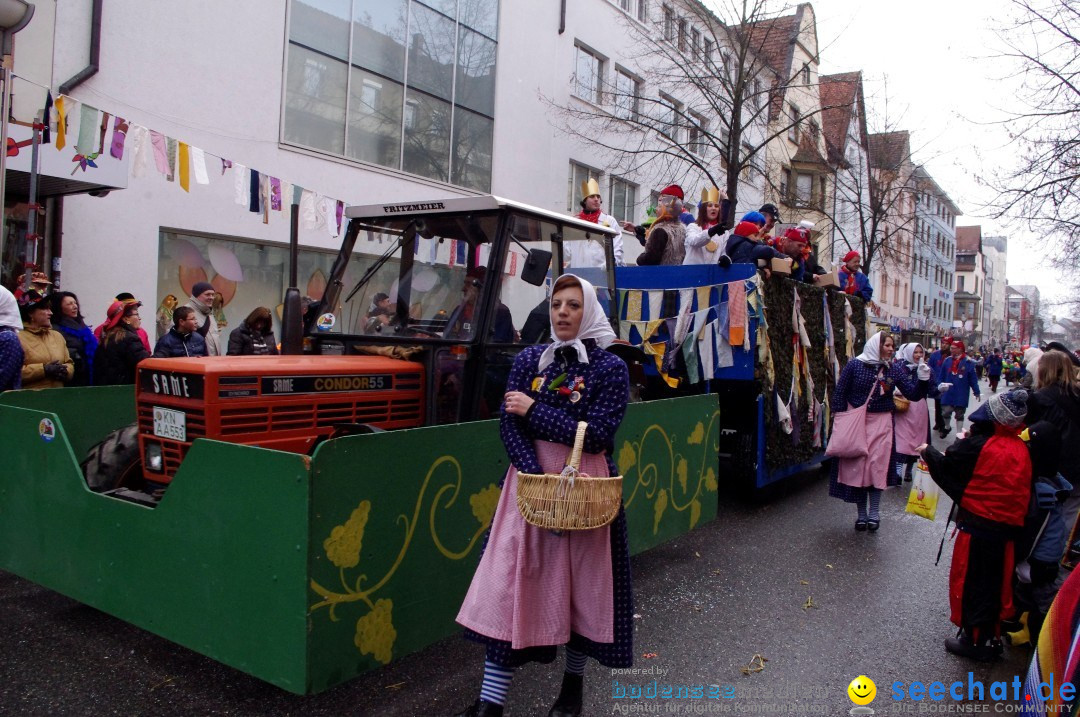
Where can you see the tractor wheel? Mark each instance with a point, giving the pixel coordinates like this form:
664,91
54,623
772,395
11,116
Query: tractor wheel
115,462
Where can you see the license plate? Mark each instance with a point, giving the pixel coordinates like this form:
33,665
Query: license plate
170,424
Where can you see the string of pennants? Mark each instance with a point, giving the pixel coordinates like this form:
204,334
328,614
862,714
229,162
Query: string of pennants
691,330
104,136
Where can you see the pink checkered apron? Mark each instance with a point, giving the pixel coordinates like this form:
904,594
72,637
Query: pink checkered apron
533,587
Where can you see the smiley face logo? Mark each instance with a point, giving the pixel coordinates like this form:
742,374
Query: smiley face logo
862,690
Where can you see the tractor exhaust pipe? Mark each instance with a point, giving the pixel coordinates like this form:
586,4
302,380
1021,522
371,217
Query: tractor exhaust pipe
292,314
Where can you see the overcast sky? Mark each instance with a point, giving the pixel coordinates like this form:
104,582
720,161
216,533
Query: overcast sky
934,59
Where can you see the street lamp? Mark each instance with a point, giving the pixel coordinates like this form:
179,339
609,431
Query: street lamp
14,16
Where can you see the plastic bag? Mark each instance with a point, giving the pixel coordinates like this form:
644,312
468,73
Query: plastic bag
923,498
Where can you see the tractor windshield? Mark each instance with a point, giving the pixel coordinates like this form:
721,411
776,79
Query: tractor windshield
425,275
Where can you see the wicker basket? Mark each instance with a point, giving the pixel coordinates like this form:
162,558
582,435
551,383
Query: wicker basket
569,500
901,403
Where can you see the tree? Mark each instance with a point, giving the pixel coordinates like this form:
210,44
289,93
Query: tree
1042,188
708,79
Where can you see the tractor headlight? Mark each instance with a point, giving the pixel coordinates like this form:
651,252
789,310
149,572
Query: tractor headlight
154,461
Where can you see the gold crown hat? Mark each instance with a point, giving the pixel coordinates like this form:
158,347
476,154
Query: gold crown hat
710,195
589,188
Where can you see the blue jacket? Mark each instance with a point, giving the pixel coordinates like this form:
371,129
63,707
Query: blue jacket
935,360
743,250
964,382
176,345
862,287
993,365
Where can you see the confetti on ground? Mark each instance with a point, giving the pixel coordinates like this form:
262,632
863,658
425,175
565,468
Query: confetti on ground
830,567
637,616
804,582
166,683
756,664
718,571
396,686
697,554
809,603
649,655
697,608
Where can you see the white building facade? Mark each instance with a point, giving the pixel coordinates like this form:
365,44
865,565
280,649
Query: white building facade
934,254
995,309
362,101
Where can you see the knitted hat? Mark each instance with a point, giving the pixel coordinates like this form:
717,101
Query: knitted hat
745,229
755,217
200,287
673,190
797,234
1008,409
850,255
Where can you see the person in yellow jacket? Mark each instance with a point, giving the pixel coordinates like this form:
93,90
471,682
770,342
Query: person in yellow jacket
46,363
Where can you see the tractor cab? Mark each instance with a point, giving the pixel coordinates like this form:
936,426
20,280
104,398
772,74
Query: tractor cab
458,285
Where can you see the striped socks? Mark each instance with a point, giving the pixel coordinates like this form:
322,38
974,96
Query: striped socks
575,661
875,504
496,683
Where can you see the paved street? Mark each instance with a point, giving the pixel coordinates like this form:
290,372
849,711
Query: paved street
708,603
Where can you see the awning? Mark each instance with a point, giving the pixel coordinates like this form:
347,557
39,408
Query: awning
59,172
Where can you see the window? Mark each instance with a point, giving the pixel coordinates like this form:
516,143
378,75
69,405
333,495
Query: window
726,59
806,79
642,10
623,199
822,191
814,131
707,51
350,98
896,293
579,174
793,117
669,24
588,71
804,188
695,44
785,183
627,95
758,98
669,117
697,134
682,34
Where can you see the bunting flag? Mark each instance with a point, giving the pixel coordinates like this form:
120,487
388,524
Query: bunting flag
88,125
703,296
140,140
61,124
513,263
737,313
161,158
225,164
46,130
119,137
275,194
100,147
241,185
185,167
253,192
656,302
462,248
198,163
633,305
171,150
339,213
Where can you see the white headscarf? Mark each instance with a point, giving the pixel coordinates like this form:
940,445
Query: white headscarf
9,310
594,325
871,352
907,353
1031,363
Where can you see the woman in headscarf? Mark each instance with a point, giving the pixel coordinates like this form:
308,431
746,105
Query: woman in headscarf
537,589
68,320
912,425
1031,368
871,376
11,350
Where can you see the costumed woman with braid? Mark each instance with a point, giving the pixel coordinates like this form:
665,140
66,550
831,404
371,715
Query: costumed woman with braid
872,376
536,589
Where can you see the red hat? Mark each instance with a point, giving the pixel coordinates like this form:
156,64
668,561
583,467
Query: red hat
946,340
116,312
957,342
850,255
745,229
797,234
673,190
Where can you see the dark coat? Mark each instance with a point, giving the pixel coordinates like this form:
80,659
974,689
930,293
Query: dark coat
248,341
1063,411
115,360
176,345
81,344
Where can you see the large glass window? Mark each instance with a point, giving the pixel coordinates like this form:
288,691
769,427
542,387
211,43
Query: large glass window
347,92
623,198
588,74
627,92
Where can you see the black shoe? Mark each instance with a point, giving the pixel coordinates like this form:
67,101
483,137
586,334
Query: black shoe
964,647
482,708
872,525
569,701
860,525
